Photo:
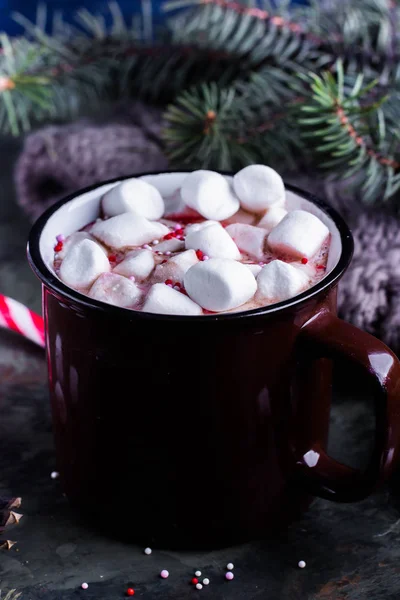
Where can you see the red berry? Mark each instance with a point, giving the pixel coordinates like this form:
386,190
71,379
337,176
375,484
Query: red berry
130,592
58,247
199,254
195,580
168,282
304,261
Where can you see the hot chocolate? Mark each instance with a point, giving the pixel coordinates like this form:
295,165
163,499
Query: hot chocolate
232,245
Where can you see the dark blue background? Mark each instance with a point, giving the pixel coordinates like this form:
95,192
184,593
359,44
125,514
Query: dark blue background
28,8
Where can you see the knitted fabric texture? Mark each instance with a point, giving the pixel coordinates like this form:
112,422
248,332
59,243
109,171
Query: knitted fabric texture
59,160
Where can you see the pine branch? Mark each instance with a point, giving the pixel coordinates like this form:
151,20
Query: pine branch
350,135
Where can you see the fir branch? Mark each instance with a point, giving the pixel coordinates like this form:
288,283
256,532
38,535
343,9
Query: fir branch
350,135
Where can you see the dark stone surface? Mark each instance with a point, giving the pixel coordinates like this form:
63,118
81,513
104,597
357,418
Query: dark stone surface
352,551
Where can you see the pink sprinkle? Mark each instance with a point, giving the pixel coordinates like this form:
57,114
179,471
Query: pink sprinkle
177,287
177,227
147,247
159,252
261,264
229,576
170,285
167,253
84,586
132,278
205,257
60,238
155,242
164,574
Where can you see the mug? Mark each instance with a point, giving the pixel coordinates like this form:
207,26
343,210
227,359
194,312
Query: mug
206,430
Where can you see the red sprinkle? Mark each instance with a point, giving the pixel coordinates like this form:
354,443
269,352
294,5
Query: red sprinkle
168,282
112,258
169,236
130,592
321,267
58,247
199,254
304,261
195,580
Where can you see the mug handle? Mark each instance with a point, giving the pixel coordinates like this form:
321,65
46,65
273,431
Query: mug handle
326,336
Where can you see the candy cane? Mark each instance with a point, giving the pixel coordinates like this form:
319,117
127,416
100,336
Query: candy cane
19,318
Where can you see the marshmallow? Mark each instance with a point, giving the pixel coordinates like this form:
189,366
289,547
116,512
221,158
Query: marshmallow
82,264
176,267
172,245
242,216
115,289
213,241
279,281
220,284
167,301
127,230
75,238
254,269
210,194
272,217
135,196
249,239
299,234
199,226
138,264
258,187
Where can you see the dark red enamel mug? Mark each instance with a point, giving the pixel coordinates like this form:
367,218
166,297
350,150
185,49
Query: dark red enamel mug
204,430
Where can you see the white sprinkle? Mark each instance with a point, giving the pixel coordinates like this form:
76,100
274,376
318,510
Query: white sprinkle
84,586
301,564
147,246
101,576
159,252
155,242
132,278
164,574
167,253
148,551
55,475
199,586
198,573
206,581
205,257
229,566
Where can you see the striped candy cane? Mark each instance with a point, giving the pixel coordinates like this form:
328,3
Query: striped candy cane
17,317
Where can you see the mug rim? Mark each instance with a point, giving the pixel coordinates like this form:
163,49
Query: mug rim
52,282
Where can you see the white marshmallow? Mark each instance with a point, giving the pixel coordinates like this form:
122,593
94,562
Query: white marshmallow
115,289
176,267
136,196
172,245
242,216
199,226
258,187
255,269
220,284
214,241
167,301
272,217
299,234
249,239
279,281
82,264
127,230
138,263
210,194
75,238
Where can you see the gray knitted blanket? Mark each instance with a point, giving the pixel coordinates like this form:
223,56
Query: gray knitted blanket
60,159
